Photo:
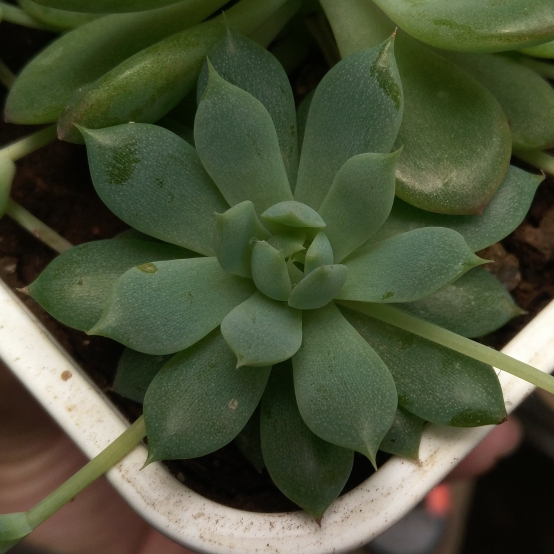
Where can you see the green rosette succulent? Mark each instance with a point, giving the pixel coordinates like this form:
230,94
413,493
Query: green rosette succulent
254,262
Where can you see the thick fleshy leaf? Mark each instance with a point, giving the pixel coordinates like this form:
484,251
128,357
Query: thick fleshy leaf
75,287
13,528
288,241
472,306
200,401
249,66
235,230
44,87
249,443
357,108
308,470
501,215
53,18
293,214
135,372
542,51
269,271
345,393
302,119
407,267
237,143
146,86
319,253
155,182
359,201
262,332
404,435
164,307
7,173
474,25
526,98
433,382
106,6
318,287
466,149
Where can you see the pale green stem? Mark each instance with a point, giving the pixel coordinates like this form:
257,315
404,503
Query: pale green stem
455,342
544,69
29,144
85,476
36,227
536,158
20,17
6,76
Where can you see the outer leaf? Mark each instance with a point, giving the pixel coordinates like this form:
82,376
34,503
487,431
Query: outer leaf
262,332
404,435
501,216
238,145
200,401
235,230
249,443
307,469
356,108
319,253
154,181
77,284
165,307
7,173
467,146
302,118
13,529
526,98
269,271
359,201
135,372
149,84
433,382
474,25
345,393
319,287
407,267
472,306
105,6
234,59
543,51
56,19
45,86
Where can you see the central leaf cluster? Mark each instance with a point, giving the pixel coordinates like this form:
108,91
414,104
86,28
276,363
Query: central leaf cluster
287,254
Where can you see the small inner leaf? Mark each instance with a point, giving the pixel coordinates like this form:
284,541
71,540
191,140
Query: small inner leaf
269,271
288,242
319,287
262,332
319,253
294,214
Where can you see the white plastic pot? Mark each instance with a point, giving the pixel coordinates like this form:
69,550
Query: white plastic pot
207,527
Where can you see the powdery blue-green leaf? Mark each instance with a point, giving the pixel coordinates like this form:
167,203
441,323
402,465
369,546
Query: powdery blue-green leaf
293,214
318,287
526,98
269,271
308,470
407,267
200,401
404,435
76,285
155,182
501,215
135,372
164,307
472,306
238,145
319,253
288,241
249,443
456,138
60,20
235,230
302,118
433,382
262,332
345,393
44,87
247,65
7,173
543,51
105,6
359,201
474,25
357,108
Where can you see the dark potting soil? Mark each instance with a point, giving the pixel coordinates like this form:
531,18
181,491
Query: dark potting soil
55,186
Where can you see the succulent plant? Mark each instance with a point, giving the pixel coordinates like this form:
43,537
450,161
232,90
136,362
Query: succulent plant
247,253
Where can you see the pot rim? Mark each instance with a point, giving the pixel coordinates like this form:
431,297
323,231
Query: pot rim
93,422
